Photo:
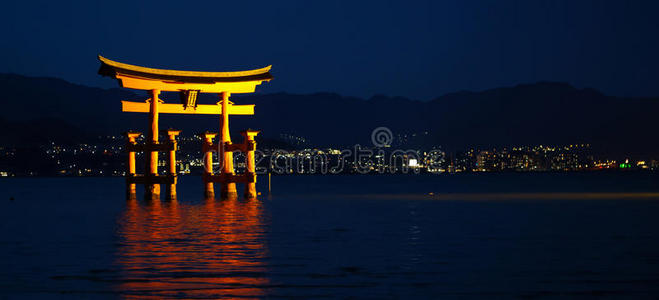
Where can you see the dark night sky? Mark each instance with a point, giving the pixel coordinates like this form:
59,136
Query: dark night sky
418,49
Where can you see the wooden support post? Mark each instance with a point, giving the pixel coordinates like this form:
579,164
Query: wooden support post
131,190
250,173
153,190
171,195
228,188
209,191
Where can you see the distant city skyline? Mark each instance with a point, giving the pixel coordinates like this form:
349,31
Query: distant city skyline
420,49
105,156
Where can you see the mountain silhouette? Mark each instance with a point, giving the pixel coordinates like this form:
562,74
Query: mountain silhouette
527,114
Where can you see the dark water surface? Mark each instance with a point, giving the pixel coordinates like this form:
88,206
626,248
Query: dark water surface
584,235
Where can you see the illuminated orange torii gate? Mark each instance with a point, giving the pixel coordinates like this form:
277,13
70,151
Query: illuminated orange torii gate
189,84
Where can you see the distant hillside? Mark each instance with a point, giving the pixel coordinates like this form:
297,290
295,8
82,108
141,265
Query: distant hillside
529,114
540,113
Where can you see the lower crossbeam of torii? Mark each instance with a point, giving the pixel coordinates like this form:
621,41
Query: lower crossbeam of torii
189,84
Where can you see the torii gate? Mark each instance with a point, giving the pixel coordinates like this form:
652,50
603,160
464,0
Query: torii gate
189,84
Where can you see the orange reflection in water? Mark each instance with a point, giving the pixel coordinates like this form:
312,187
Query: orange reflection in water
208,250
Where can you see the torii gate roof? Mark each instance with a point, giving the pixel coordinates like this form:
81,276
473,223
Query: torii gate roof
142,78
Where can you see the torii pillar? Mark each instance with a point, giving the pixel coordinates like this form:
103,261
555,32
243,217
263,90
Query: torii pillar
209,191
153,190
131,190
171,190
228,189
250,163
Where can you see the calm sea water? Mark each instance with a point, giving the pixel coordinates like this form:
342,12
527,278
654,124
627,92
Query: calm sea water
590,235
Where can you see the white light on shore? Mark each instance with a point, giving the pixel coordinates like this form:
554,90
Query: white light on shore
413,162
